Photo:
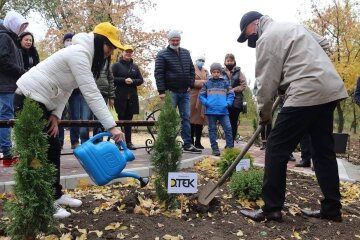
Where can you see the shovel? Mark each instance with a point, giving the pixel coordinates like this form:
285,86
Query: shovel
211,189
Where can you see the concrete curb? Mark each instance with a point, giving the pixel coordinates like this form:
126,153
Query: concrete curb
72,181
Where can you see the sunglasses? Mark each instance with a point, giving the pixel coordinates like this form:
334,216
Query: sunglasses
200,60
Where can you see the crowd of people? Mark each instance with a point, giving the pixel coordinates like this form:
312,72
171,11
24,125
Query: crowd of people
80,80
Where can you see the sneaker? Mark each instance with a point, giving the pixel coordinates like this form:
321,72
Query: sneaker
9,161
60,212
192,149
199,146
69,201
216,152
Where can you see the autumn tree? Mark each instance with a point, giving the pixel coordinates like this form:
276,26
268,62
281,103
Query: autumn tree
82,16
340,23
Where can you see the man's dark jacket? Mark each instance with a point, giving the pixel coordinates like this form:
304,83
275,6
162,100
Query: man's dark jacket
124,92
11,62
173,71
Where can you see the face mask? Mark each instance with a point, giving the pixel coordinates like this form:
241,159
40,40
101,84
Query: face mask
199,64
230,66
174,47
67,44
252,40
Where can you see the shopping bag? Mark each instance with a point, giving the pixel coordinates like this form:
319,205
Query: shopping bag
113,113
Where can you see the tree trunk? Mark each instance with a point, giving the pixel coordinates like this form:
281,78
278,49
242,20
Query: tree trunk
341,118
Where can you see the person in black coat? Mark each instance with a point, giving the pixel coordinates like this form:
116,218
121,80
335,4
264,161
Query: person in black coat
127,77
11,69
29,52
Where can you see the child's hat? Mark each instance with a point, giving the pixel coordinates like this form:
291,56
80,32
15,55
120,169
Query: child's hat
215,66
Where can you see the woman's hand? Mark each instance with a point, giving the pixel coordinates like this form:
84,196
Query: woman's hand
53,129
128,81
117,134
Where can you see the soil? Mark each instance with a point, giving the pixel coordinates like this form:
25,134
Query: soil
121,211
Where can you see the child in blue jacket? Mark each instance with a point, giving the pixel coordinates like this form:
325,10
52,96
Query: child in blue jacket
216,95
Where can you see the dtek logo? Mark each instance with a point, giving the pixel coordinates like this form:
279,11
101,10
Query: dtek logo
178,182
182,182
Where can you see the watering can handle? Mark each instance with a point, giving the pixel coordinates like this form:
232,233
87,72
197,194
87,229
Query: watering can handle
106,134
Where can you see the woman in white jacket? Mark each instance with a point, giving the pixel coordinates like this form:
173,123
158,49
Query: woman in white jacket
51,82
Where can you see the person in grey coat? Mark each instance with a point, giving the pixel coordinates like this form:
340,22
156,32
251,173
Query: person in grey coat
291,59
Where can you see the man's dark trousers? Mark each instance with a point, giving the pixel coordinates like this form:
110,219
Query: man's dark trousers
290,126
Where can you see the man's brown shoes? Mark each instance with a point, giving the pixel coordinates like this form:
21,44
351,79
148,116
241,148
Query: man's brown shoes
259,215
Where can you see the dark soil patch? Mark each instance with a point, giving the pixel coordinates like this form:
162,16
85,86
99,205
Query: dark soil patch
219,220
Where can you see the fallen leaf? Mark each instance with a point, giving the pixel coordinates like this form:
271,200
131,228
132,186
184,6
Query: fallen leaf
98,233
239,233
160,225
296,235
113,226
66,237
169,237
120,236
50,237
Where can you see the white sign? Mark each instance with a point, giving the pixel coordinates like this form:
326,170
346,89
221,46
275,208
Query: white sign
182,182
243,164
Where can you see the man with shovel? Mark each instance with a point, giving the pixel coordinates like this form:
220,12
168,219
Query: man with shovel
291,59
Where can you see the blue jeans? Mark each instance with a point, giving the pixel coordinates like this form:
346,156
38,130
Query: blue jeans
79,110
6,113
86,114
225,123
182,101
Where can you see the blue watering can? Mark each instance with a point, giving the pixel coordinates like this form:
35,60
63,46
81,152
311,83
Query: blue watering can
104,161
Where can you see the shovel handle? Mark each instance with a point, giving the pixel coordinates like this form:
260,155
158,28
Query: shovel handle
246,148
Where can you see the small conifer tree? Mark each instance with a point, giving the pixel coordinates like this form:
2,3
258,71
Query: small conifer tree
31,209
166,152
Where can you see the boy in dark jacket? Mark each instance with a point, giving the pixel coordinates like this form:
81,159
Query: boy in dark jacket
216,95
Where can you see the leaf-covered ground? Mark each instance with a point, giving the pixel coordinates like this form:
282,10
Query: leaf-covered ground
124,211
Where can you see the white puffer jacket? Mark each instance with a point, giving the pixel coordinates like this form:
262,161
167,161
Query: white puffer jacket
52,81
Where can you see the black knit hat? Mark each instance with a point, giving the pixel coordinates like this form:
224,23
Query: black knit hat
68,35
245,21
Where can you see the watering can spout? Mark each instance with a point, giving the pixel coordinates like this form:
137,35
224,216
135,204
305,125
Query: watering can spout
143,181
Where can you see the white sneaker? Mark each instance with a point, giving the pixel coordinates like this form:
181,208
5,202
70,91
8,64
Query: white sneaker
69,201
60,212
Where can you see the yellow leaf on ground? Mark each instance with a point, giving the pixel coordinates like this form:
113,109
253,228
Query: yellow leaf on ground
296,235
120,236
66,237
240,233
98,233
84,183
50,237
113,226
169,237
260,203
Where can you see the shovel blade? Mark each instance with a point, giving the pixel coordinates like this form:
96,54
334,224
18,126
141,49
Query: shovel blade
208,193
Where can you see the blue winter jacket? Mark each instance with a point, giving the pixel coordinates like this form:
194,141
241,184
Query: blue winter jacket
216,95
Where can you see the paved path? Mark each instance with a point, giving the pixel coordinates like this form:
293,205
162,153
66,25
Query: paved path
72,172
